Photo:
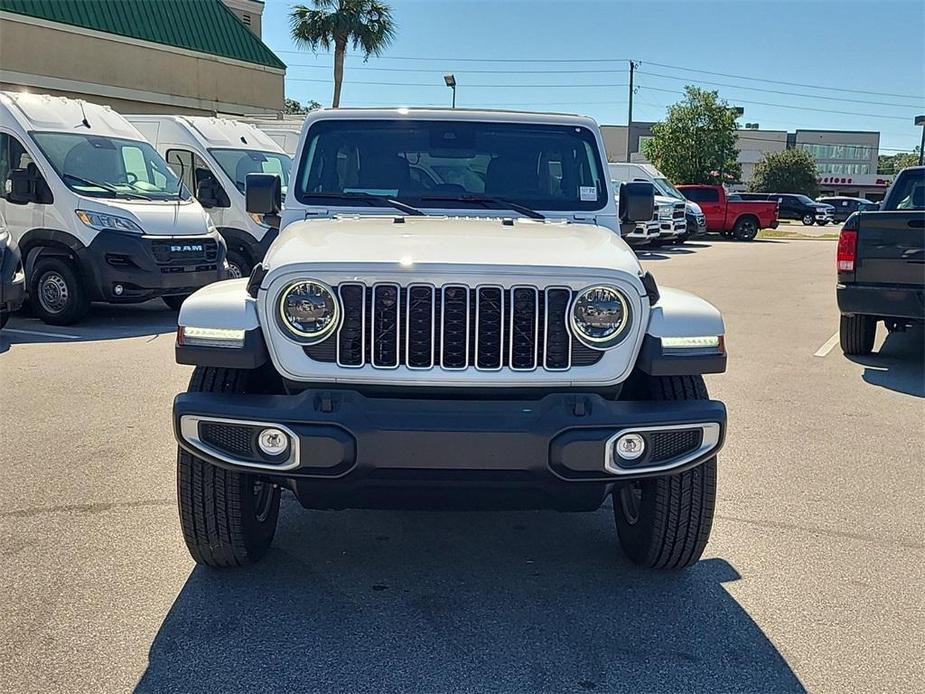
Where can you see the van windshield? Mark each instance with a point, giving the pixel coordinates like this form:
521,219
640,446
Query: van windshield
664,185
237,163
109,167
453,164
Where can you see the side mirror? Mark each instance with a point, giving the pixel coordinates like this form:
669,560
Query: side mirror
21,187
263,193
637,201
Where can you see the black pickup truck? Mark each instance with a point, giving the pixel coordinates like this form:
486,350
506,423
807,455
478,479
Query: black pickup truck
881,265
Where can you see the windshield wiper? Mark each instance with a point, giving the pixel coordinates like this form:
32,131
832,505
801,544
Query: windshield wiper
487,200
105,186
382,200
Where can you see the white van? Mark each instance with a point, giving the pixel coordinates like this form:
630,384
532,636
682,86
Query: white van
284,133
670,211
213,157
97,212
696,221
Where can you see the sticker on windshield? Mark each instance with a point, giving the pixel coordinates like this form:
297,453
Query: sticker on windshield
587,193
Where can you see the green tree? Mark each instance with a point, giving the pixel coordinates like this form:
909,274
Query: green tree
787,171
696,143
293,106
367,25
889,164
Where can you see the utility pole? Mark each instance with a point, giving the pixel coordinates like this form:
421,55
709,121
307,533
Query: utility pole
629,118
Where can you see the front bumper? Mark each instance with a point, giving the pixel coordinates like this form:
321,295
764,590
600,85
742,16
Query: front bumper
696,225
150,266
643,234
349,450
882,300
12,280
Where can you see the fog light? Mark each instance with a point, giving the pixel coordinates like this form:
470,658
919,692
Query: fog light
117,290
630,446
273,442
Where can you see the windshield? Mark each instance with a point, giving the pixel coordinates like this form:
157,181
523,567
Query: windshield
453,164
665,187
908,192
805,199
108,167
237,163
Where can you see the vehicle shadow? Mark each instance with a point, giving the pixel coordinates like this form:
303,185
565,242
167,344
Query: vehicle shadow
363,601
103,322
899,364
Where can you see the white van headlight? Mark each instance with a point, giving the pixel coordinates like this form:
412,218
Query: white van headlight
308,310
101,221
600,316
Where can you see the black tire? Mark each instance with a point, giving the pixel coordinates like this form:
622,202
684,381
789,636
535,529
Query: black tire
238,264
746,229
821,222
228,518
856,334
808,220
176,301
56,292
665,522
726,234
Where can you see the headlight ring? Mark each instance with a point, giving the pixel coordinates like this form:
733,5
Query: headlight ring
308,311
600,316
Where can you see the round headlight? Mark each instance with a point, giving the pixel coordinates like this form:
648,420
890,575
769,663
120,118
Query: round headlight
600,316
309,310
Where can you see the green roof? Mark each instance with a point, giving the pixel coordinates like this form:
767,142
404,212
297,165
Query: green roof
204,26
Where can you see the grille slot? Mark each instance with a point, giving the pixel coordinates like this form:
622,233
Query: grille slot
489,328
385,333
558,355
454,327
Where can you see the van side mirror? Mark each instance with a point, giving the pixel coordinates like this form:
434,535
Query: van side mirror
21,187
263,193
637,201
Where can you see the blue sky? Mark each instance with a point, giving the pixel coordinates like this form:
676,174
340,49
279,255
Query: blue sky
570,55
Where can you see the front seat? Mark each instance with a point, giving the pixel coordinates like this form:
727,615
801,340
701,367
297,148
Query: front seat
389,172
508,175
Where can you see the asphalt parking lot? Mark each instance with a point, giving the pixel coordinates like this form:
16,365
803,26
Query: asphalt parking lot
813,578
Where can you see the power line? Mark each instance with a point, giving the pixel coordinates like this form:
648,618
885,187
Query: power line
798,108
478,86
464,71
790,84
478,60
776,91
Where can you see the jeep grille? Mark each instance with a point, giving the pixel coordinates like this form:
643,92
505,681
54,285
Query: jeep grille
454,327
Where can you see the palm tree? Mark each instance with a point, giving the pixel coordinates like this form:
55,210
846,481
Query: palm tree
367,24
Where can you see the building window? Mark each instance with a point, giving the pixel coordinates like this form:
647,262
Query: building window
836,151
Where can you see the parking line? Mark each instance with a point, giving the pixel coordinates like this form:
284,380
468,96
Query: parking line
41,334
827,347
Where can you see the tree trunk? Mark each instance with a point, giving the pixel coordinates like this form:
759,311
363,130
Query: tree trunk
340,49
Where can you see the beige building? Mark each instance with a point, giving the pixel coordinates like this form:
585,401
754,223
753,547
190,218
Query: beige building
250,12
129,55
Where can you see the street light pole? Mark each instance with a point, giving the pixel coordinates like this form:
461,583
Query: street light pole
629,116
920,120
450,81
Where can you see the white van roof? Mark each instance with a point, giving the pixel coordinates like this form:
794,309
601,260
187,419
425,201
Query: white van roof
646,168
47,113
217,132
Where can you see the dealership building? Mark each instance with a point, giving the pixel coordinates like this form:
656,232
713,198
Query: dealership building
846,160
195,57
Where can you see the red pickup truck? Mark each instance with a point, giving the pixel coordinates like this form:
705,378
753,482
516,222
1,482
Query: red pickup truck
740,219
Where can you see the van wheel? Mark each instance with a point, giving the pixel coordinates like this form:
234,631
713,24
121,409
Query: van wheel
238,266
746,229
56,292
228,518
821,222
856,334
664,522
175,301
808,220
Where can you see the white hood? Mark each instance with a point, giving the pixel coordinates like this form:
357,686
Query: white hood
451,241
166,218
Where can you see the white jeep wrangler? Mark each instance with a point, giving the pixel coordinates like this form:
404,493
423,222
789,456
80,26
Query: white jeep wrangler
448,319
